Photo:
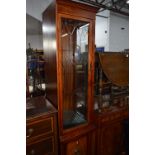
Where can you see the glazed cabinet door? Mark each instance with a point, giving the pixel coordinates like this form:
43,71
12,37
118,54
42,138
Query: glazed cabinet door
75,66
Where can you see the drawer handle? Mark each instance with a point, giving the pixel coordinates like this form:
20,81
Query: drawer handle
76,152
32,152
30,131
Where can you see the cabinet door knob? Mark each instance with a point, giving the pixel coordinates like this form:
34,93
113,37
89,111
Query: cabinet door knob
76,152
30,131
32,152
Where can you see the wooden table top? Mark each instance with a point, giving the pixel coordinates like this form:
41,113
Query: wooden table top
38,106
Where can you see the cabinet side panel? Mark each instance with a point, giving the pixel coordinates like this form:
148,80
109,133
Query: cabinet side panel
49,44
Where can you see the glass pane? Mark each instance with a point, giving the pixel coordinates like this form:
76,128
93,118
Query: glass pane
111,81
74,40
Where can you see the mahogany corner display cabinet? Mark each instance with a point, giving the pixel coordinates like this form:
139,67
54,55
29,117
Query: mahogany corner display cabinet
69,48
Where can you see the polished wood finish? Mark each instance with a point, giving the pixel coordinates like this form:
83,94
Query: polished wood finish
111,139
41,127
116,67
84,133
112,121
77,16
44,147
78,146
38,107
76,9
84,143
92,142
50,52
111,132
102,134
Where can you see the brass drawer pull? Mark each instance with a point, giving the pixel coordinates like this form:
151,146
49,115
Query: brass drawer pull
30,131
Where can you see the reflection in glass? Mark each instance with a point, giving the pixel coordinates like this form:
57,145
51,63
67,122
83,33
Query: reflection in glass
74,44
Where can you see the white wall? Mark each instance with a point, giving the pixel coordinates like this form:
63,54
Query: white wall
36,7
118,38
102,25
36,41
115,39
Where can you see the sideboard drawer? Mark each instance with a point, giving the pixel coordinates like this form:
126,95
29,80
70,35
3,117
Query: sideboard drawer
45,147
39,127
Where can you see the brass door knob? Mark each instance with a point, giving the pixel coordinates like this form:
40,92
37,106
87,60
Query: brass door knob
30,131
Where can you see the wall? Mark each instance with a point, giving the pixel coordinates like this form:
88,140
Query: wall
115,39
36,41
36,7
102,30
118,38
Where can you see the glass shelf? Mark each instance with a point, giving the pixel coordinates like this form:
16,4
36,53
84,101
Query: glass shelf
73,118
